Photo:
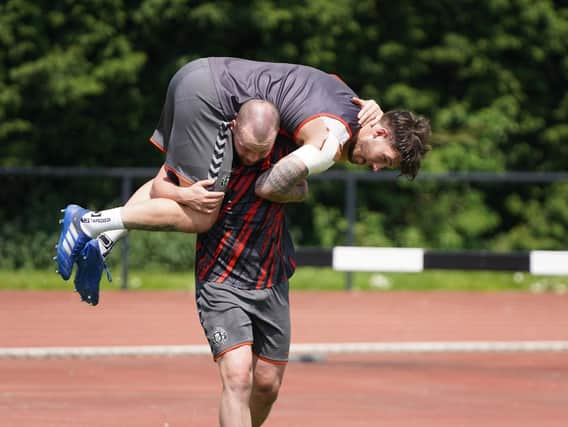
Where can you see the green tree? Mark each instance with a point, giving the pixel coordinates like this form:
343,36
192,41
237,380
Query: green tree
82,84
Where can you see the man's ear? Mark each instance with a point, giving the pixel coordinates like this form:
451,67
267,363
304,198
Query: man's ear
380,131
233,124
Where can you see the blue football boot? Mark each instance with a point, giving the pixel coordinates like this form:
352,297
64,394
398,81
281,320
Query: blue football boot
90,266
71,240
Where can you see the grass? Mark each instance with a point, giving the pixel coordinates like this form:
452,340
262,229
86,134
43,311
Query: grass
49,280
431,280
309,278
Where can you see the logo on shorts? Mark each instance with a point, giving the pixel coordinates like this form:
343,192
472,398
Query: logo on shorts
219,336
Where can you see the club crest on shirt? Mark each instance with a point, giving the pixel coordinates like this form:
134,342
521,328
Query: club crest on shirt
224,181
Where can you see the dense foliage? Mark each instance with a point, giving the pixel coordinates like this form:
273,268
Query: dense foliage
82,83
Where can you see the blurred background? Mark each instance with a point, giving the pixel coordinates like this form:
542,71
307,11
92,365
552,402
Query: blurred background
82,85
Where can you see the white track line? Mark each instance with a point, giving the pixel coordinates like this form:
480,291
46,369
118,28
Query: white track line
297,351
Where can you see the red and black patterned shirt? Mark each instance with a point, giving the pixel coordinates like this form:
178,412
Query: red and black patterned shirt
249,245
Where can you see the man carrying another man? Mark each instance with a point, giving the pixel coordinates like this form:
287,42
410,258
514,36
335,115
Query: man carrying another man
316,109
244,252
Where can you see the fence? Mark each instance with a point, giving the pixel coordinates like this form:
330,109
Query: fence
324,257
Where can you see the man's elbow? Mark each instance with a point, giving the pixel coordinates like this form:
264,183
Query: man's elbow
265,193
261,192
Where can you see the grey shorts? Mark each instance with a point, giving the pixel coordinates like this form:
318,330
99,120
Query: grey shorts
233,317
189,125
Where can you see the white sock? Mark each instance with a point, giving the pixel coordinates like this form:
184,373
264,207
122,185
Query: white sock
108,239
95,223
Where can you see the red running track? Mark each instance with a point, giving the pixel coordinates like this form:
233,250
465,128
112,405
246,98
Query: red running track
474,389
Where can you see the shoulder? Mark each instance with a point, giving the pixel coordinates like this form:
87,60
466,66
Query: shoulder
317,127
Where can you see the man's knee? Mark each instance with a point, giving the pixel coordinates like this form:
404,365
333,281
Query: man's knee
205,222
195,222
238,382
266,389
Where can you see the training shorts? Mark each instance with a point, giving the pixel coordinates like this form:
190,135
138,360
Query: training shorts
233,317
189,125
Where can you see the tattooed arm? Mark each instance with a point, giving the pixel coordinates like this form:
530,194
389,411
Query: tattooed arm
285,182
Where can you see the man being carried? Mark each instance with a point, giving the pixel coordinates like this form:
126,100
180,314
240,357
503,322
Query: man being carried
316,109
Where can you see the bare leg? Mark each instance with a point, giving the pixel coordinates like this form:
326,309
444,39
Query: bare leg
145,213
142,194
235,368
267,379
110,237
165,214
142,212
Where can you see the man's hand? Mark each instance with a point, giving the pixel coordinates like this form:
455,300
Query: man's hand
199,198
370,112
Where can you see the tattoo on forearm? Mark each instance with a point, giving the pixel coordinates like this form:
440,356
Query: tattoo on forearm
298,194
286,174
285,182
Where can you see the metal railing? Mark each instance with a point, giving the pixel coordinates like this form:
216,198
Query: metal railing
350,178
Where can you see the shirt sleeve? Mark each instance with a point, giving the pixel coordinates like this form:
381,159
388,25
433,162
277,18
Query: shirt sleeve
338,129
